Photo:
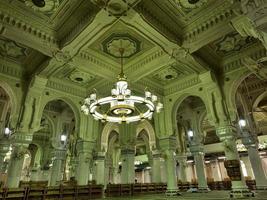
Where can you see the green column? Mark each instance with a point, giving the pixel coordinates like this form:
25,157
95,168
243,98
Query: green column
100,168
168,146
57,172
36,174
4,148
85,158
15,165
227,136
127,166
156,170
256,164
182,167
171,172
198,152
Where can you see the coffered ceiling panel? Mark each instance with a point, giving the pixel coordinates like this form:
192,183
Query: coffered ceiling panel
121,36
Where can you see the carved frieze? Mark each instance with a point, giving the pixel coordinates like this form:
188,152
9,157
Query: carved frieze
10,49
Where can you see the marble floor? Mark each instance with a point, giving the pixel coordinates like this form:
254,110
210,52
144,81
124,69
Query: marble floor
216,195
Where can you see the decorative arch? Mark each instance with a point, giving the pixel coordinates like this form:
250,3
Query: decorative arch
146,125
108,128
51,123
68,101
12,97
231,95
180,100
259,99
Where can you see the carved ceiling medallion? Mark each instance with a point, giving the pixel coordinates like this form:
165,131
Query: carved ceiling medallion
81,77
48,8
167,74
191,4
130,45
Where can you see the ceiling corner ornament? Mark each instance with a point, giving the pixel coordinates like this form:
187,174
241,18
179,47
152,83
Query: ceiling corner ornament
130,45
115,8
191,4
167,74
49,6
121,106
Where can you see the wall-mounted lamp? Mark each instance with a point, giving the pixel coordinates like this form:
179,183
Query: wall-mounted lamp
190,134
242,123
63,138
7,131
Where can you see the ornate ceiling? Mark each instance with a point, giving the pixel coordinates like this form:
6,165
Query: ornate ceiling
75,41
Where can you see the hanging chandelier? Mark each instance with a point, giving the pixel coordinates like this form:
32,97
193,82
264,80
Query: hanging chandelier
121,106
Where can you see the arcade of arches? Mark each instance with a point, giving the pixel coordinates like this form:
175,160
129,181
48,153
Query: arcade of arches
206,60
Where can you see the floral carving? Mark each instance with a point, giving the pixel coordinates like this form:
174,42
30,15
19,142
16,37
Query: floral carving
11,49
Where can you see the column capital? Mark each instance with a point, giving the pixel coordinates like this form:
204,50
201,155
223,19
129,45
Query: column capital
226,132
4,146
19,151
168,143
249,140
85,146
22,138
126,151
60,154
197,149
156,154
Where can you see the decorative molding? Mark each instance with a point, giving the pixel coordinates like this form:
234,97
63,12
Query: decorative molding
87,56
85,20
234,62
65,88
10,70
207,21
25,27
181,85
158,24
142,62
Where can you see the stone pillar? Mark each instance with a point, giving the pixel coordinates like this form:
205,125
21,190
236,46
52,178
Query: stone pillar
216,173
200,170
127,166
256,164
156,171
182,167
251,144
100,169
35,174
197,151
4,148
168,145
73,166
239,187
171,172
56,172
15,165
85,157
